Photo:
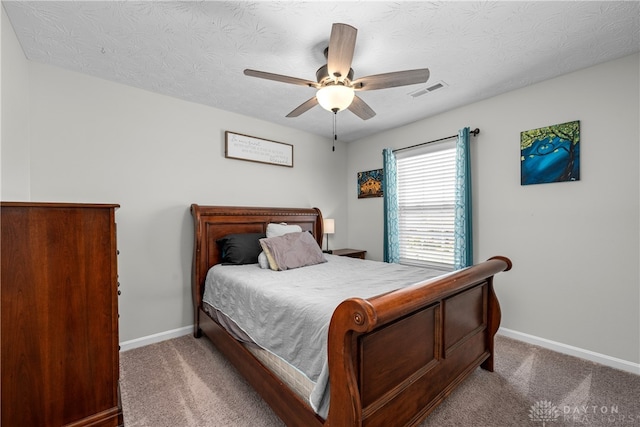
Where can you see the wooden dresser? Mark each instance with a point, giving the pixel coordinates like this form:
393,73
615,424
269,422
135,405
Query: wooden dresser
59,284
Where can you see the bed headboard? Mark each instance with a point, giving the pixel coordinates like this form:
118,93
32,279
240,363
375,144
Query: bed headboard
214,222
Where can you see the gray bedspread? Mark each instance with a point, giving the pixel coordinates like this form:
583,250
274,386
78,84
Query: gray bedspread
288,312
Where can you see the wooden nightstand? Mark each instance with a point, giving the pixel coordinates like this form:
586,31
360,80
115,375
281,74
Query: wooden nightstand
352,253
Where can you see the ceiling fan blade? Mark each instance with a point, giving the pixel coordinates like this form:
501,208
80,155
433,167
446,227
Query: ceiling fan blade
342,44
361,108
280,78
305,106
398,78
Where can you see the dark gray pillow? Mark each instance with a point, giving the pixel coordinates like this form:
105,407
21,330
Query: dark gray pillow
240,249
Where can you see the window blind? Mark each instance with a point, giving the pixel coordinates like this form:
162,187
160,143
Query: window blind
426,199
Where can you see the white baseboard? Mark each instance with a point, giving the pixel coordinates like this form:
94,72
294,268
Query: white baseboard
152,339
592,356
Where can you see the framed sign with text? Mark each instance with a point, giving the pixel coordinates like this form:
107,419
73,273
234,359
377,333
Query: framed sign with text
250,148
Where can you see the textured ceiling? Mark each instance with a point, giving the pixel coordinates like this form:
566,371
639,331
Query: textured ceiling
197,50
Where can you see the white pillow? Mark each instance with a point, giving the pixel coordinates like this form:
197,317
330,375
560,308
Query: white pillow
263,261
276,230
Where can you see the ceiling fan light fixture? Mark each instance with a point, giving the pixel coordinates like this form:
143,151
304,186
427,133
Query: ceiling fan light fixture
335,97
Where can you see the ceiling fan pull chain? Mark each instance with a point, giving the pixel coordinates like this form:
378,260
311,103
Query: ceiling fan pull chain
335,136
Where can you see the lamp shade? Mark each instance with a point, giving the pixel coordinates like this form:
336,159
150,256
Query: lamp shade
329,226
335,97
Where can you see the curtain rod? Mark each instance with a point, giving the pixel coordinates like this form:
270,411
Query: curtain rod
474,132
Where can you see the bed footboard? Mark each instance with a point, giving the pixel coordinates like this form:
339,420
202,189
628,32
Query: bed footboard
393,358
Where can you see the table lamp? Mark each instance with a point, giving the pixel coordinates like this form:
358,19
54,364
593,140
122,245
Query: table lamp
329,227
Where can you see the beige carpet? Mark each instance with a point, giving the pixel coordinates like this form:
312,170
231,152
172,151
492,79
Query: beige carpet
186,382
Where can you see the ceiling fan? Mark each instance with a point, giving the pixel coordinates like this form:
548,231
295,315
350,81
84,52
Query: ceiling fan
335,82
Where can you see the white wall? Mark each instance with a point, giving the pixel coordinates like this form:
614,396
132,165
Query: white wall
90,140
574,245
14,86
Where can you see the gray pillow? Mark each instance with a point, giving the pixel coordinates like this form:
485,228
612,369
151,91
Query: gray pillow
275,230
292,250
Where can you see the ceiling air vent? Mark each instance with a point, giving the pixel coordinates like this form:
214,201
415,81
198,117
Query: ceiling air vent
432,88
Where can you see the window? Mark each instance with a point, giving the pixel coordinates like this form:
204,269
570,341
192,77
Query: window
426,205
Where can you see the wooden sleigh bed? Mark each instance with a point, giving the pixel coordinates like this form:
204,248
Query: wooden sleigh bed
392,358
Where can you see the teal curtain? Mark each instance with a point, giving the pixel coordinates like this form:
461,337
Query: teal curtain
463,233
391,251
